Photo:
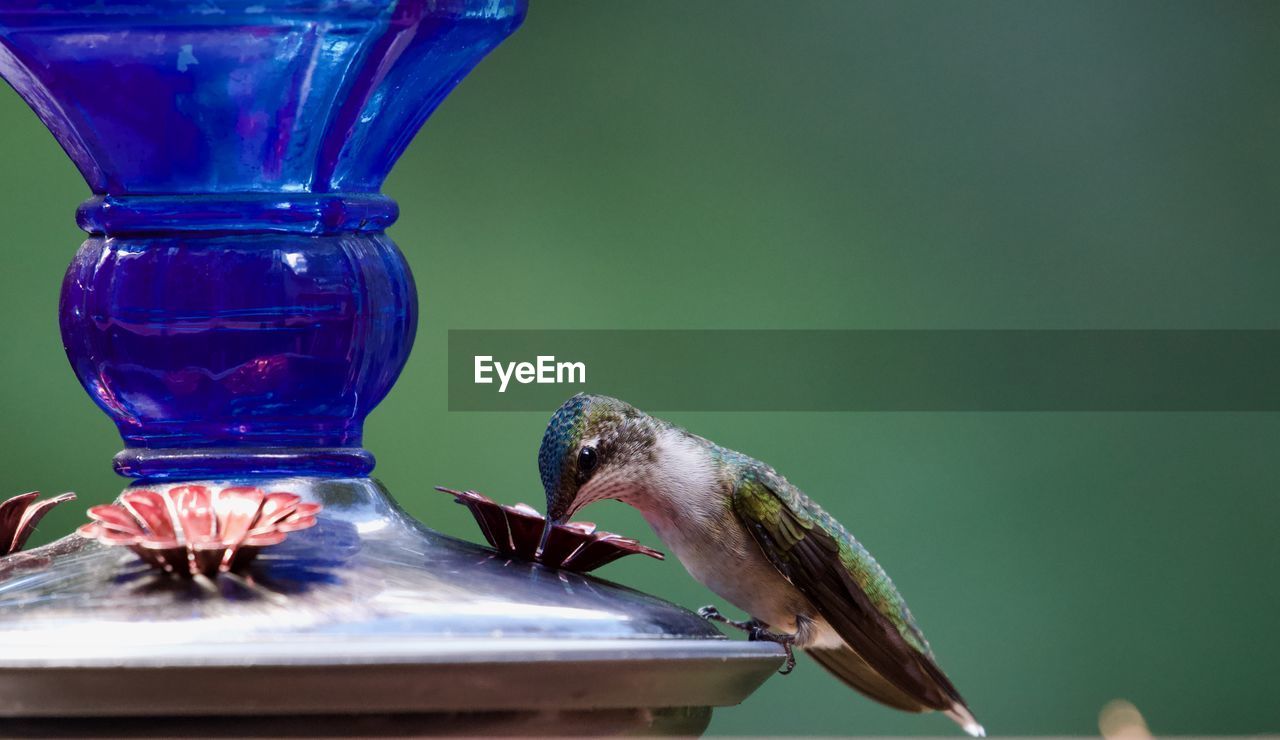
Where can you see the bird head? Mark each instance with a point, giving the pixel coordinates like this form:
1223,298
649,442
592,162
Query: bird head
595,448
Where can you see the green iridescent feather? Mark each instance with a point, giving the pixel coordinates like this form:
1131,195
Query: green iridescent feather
768,491
847,587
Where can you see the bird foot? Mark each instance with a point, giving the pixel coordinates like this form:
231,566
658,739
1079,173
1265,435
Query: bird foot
712,614
788,642
757,631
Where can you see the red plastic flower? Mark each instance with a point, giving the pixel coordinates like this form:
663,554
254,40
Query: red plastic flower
19,517
189,530
516,531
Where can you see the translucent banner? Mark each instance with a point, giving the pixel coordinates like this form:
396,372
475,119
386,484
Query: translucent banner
869,370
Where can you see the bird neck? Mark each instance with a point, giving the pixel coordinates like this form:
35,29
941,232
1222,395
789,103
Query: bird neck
684,485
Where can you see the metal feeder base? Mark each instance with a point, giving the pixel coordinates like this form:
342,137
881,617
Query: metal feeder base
368,624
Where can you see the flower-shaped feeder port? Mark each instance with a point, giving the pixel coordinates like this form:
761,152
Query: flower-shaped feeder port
19,517
189,530
516,531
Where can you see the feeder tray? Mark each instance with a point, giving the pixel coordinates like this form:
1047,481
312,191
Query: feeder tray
516,531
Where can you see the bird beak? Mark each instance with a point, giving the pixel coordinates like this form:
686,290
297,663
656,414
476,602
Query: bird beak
546,535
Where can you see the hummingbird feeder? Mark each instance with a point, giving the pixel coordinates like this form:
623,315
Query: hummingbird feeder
237,309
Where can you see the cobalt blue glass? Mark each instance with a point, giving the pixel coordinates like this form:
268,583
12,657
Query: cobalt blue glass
237,308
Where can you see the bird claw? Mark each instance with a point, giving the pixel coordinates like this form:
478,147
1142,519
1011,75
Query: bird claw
712,614
790,664
787,642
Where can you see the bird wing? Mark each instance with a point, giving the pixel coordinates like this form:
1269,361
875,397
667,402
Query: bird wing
892,662
845,664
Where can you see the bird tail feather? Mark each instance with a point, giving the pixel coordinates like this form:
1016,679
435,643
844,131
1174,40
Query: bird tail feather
845,664
961,715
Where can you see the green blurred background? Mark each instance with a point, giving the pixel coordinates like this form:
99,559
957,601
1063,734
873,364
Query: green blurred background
675,164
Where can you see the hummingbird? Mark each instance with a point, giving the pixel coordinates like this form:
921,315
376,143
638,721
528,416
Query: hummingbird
755,540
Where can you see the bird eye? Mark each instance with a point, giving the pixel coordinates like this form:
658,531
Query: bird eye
588,459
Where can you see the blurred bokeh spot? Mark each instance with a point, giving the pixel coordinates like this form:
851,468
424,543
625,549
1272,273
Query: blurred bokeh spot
1121,720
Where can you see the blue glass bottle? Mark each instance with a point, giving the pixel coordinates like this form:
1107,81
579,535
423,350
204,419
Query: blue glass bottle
237,308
